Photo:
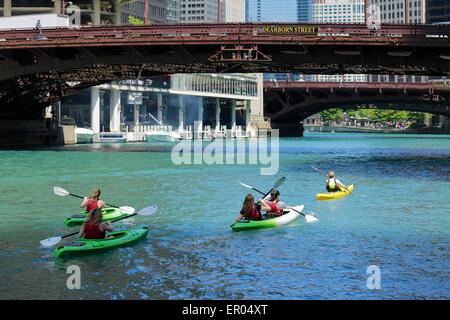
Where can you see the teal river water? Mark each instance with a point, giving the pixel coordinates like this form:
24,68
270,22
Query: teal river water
398,219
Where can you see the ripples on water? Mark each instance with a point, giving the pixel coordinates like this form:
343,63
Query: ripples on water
397,218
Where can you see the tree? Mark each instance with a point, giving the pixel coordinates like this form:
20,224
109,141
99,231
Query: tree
332,115
135,21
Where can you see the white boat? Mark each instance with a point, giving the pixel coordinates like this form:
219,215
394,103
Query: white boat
162,136
84,135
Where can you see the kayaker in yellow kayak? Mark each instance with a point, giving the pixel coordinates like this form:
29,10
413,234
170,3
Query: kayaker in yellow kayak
93,202
94,228
333,184
250,210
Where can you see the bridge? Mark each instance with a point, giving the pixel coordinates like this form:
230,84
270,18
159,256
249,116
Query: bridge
288,102
35,73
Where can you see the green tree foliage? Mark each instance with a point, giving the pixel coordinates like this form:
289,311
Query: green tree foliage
332,115
373,114
135,21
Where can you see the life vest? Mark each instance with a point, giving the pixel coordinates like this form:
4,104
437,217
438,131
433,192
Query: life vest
332,186
92,231
274,208
91,205
254,213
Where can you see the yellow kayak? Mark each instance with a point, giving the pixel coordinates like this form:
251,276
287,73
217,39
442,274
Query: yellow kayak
334,195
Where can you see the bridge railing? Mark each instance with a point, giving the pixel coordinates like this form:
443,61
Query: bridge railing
182,32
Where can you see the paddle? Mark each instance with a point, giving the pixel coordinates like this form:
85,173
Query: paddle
64,193
148,211
318,170
275,186
308,218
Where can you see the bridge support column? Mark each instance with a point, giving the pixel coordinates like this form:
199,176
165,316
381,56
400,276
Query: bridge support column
95,109
427,120
180,113
97,19
248,113
118,10
7,8
159,107
217,107
200,115
114,111
233,114
136,114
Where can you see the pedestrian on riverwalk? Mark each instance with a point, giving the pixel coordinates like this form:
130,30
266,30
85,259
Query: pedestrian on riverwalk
39,29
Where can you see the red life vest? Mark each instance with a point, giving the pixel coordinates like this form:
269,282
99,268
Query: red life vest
254,213
91,205
92,231
274,208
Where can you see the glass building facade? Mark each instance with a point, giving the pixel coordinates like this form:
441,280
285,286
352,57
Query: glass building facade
278,11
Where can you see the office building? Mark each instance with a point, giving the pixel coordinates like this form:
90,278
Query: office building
278,11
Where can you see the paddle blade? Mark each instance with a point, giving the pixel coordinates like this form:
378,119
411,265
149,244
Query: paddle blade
310,218
50,242
245,185
279,182
148,211
60,191
127,210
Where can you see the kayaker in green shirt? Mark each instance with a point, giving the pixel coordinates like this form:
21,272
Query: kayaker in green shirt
333,184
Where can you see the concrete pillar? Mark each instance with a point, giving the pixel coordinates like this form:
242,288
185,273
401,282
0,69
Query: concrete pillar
257,106
233,114
114,111
427,120
136,114
7,8
247,113
118,10
200,114
159,107
95,109
217,114
57,7
97,19
442,121
180,113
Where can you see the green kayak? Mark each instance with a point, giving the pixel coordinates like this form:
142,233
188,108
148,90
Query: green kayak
115,239
287,217
108,214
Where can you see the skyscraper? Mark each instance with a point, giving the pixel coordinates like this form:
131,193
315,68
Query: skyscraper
234,10
438,11
198,11
393,11
339,11
278,11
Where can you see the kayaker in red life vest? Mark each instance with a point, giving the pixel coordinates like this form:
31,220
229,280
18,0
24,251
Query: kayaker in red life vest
250,210
93,202
271,207
94,228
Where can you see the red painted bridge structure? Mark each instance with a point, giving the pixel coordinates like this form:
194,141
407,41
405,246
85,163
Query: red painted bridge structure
289,102
35,73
